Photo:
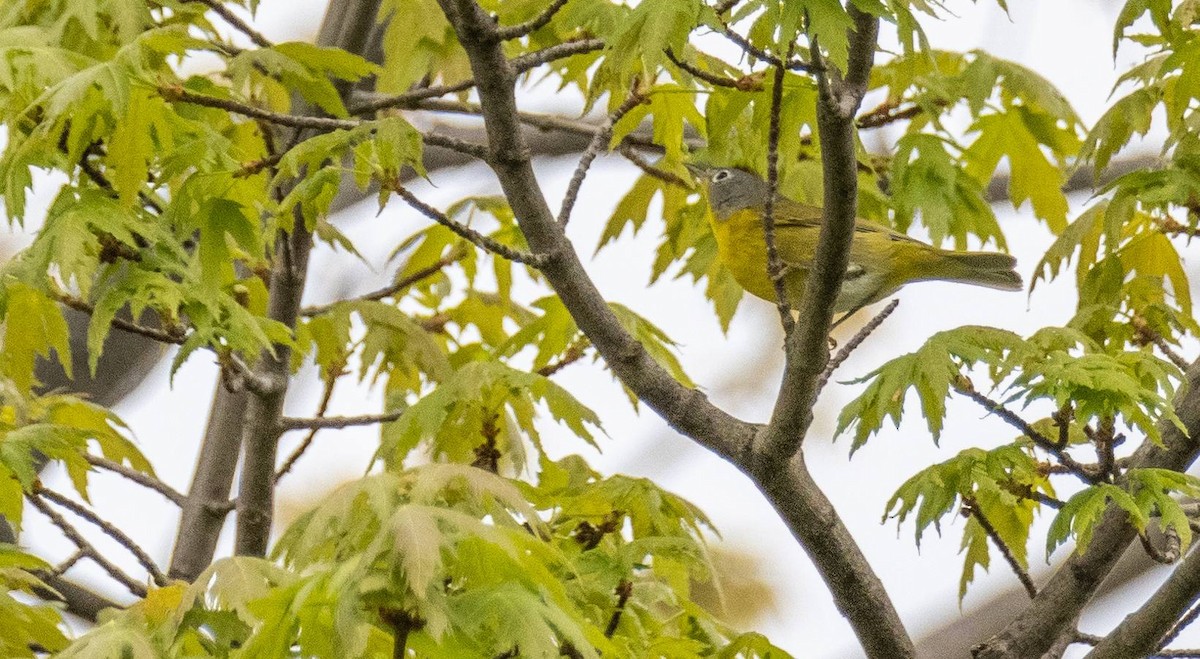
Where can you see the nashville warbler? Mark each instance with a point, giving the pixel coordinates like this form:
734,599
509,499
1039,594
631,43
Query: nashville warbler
881,260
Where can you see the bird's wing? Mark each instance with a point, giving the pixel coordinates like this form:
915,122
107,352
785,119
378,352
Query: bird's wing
801,216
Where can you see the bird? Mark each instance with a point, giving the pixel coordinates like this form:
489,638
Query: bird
882,260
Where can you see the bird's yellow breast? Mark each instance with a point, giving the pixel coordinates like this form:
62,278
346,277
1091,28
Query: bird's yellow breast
743,250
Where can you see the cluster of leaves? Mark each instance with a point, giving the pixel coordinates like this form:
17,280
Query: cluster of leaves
449,559
1098,395
168,216
1127,268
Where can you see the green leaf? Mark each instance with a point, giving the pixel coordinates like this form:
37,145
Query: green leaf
33,327
931,370
1082,512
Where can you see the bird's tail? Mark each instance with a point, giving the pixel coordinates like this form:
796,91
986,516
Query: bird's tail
990,269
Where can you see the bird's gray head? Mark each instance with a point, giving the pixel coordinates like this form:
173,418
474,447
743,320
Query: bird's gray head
731,190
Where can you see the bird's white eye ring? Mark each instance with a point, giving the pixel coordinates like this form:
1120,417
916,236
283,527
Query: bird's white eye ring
720,175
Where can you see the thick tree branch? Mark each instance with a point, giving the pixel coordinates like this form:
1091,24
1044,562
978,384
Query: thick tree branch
260,439
809,514
1063,597
206,506
856,588
347,27
806,349
687,410
1142,631
857,591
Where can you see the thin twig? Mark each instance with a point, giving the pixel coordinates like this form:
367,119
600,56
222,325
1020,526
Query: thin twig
1059,452
624,590
724,6
145,480
110,530
68,562
372,102
546,122
1167,557
775,267
164,336
322,408
758,53
1171,225
650,170
86,547
532,25
574,353
844,353
1187,619
480,240
599,142
237,23
102,181
885,114
177,93
1146,334
389,291
972,507
472,149
337,422
710,78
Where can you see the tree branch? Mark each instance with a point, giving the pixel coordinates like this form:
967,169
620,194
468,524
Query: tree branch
322,408
972,507
536,23
337,422
1054,448
478,239
236,22
111,531
853,344
389,291
145,480
686,410
372,102
206,506
857,591
1072,586
806,349
163,336
86,547
1142,631
775,268
348,28
599,143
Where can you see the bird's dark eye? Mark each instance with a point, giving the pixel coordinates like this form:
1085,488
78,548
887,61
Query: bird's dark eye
721,175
